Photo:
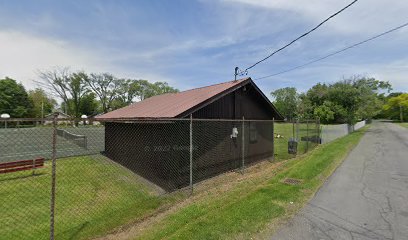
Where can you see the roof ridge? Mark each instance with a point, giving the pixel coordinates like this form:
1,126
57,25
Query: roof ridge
242,79
173,93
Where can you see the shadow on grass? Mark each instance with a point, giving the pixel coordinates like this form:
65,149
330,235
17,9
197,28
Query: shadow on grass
72,233
22,177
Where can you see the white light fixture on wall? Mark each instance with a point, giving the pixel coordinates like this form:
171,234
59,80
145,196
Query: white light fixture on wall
234,132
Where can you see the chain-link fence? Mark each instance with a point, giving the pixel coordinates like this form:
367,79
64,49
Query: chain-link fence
332,132
295,137
100,175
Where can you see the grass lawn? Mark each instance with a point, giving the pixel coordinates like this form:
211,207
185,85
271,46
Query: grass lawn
93,196
403,124
256,204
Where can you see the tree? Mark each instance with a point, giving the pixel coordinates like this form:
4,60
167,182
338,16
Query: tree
89,105
42,103
397,106
370,92
70,87
55,81
345,97
328,112
345,101
286,101
130,90
106,87
77,89
143,89
157,88
14,99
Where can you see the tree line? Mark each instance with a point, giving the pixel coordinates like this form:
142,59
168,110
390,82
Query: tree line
344,101
79,93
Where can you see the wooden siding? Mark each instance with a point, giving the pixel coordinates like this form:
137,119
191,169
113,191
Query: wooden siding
246,103
159,152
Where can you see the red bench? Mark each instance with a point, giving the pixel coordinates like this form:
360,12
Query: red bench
21,165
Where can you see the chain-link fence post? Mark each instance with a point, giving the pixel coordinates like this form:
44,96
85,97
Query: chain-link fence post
53,175
307,136
297,130
243,145
191,153
273,139
318,131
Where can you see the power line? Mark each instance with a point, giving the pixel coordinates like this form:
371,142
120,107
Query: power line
301,36
334,53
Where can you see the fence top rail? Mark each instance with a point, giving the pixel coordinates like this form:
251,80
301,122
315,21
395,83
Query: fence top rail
70,134
130,120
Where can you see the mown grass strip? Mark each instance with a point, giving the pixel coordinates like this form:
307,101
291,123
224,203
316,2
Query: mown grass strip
247,210
403,124
93,196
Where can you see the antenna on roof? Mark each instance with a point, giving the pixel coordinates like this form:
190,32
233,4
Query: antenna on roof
239,72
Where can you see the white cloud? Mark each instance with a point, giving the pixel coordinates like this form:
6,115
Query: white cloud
23,55
363,16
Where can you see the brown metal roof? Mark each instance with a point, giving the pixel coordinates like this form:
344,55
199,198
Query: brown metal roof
171,105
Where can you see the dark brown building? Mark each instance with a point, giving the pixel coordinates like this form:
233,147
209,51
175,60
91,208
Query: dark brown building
149,138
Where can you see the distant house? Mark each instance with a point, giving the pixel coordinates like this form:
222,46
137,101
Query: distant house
49,118
155,145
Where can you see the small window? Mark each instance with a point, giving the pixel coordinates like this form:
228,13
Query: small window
253,133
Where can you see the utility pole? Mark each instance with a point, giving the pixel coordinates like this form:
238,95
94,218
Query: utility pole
236,73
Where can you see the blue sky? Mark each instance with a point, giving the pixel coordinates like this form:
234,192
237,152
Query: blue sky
195,43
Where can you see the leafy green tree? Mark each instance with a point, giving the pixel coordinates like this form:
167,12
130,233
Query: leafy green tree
143,89
330,112
286,101
372,92
42,103
76,86
131,90
318,94
345,101
397,107
89,105
158,88
106,87
346,97
14,99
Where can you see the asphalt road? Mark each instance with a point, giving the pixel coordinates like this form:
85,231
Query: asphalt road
366,197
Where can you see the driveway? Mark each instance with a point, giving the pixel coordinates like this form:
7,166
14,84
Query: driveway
366,197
